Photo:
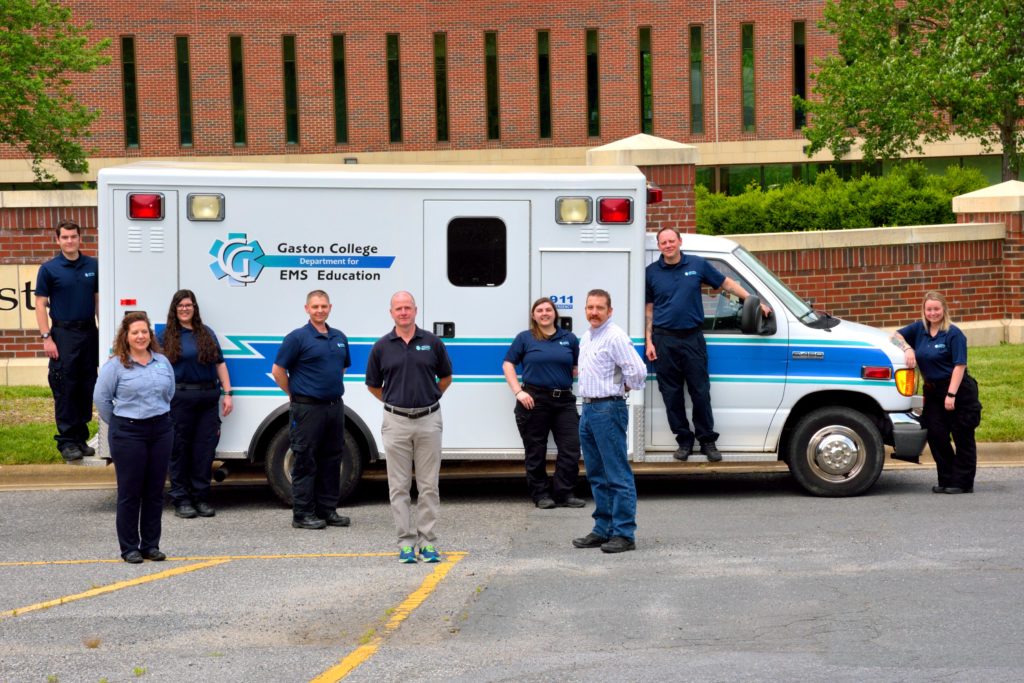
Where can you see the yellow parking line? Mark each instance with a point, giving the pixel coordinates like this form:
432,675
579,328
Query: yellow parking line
200,558
110,588
415,599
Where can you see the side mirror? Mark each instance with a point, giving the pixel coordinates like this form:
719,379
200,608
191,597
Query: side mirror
752,320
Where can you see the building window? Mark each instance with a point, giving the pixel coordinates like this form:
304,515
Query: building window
291,90
441,85
747,78
544,83
237,91
491,79
477,253
394,89
340,90
593,99
181,58
131,92
646,82
696,80
799,72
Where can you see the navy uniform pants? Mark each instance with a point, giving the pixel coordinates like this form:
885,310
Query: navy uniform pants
72,378
558,417
683,360
955,468
317,438
140,450
195,414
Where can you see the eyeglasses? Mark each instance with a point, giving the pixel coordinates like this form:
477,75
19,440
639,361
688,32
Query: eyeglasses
185,307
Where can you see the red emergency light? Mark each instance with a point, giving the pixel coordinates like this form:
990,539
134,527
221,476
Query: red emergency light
129,302
146,207
615,210
875,372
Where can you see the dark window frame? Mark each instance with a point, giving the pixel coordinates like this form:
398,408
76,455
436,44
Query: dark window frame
592,52
544,128
393,59
748,79
239,134
799,72
696,59
492,85
441,122
645,66
130,91
290,79
339,86
183,78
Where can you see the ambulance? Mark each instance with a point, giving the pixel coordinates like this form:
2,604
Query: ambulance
475,246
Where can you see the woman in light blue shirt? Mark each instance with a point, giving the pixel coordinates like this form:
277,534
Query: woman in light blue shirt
133,396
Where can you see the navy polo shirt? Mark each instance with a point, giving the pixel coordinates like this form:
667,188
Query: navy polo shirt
408,372
315,362
70,286
938,355
188,369
675,291
545,363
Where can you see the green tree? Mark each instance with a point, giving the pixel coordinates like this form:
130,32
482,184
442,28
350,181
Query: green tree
38,112
913,71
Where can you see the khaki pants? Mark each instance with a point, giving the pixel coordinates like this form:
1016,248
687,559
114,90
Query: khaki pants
413,448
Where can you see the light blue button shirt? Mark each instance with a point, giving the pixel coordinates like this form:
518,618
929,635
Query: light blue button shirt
136,392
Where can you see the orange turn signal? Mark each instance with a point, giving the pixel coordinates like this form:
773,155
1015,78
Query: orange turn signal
906,381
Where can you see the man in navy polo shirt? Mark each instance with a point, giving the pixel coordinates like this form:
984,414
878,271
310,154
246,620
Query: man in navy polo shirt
310,369
69,286
675,341
409,370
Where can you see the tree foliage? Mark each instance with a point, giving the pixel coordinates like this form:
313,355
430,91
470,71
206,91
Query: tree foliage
913,71
38,112
907,195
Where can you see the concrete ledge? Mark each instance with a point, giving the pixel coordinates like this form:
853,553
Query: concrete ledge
642,150
1007,197
24,372
45,199
871,237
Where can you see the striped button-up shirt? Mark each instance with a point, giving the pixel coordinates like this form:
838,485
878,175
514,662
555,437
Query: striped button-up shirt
609,365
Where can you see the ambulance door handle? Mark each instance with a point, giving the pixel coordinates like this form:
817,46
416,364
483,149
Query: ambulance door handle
444,330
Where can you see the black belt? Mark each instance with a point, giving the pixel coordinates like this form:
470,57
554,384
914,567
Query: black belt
310,400
201,386
601,399
142,420
547,391
74,324
412,414
682,334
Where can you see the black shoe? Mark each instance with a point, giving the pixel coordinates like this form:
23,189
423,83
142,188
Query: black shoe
87,450
71,453
682,453
309,522
957,489
332,518
711,451
938,489
545,503
154,555
571,501
133,557
618,544
185,511
591,540
204,509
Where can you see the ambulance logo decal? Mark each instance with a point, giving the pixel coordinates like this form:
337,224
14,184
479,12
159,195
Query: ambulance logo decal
236,259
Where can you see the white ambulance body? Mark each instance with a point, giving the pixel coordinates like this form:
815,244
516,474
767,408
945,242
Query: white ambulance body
475,246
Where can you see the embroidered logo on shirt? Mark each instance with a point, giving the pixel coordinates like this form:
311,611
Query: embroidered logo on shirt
563,343
690,272
423,347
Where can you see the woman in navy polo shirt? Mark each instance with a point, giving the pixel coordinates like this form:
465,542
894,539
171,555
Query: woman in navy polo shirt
201,376
951,406
133,396
545,404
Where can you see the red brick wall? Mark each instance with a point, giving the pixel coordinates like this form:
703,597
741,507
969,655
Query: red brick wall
678,206
1012,273
208,25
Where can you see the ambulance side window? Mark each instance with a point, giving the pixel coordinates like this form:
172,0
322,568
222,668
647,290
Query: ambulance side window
721,312
477,253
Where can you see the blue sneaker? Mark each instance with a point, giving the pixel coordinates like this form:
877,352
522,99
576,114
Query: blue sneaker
407,556
428,553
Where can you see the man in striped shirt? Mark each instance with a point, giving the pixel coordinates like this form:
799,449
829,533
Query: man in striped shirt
609,367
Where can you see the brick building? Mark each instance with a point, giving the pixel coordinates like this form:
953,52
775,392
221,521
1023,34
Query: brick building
454,82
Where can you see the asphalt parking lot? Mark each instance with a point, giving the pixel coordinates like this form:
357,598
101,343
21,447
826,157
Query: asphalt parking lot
737,577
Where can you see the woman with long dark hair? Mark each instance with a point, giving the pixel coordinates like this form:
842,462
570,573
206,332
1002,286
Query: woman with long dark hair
201,378
133,396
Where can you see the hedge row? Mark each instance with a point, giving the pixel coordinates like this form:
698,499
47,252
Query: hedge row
907,195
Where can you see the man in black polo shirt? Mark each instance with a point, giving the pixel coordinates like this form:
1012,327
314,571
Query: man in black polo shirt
310,369
675,341
69,286
408,370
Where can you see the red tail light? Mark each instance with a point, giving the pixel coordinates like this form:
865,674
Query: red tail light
869,372
146,207
654,195
616,210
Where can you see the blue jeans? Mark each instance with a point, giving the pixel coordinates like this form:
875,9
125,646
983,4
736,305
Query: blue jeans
603,440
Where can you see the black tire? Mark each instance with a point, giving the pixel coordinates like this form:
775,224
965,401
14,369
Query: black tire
836,452
278,466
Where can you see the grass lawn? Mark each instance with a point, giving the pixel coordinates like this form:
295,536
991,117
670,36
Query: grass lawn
26,422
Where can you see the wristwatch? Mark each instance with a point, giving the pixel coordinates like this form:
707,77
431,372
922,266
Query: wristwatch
45,335
950,394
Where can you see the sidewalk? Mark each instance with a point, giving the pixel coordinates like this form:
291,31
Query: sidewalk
13,477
